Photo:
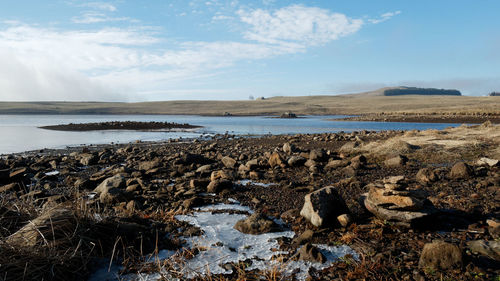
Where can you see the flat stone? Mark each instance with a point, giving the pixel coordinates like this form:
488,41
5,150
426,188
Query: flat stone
310,253
399,200
228,162
395,215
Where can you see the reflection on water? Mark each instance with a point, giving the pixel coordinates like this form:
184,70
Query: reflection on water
20,133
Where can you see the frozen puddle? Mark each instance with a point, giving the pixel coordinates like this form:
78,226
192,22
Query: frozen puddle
222,244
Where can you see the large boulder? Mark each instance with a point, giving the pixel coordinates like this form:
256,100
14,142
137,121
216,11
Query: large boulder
322,206
256,224
396,161
289,148
440,255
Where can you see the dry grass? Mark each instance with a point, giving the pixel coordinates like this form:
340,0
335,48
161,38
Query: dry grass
308,105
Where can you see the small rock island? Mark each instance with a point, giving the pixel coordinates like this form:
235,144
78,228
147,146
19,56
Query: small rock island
120,125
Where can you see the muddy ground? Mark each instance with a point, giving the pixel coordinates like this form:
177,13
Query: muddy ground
57,226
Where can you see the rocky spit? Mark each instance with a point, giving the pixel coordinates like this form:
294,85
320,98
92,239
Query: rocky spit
412,205
119,125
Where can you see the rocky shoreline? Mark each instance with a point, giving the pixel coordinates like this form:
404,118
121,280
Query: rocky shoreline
119,125
415,205
476,118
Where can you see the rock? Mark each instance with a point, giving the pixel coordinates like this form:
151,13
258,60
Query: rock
256,224
116,181
205,169
275,160
303,238
494,228
358,161
310,163
322,206
222,174
111,190
295,161
426,176
252,164
289,148
440,255
88,159
148,165
397,200
318,155
344,220
17,174
228,162
490,249
199,183
349,171
290,215
192,202
488,161
396,161
50,226
461,171
310,253
334,164
112,195
218,185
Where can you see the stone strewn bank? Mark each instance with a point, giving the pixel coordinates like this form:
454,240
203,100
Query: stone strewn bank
415,205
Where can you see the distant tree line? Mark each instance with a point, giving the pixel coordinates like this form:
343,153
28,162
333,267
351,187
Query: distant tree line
421,91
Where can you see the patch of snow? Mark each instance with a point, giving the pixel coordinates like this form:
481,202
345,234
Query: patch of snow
251,182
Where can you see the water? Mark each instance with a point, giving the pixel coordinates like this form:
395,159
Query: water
20,133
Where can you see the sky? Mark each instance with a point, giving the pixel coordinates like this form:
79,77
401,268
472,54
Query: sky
125,50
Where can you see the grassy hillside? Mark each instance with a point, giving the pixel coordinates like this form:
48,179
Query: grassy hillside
345,104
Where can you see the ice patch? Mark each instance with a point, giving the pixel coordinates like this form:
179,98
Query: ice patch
53,173
224,244
228,207
221,244
251,182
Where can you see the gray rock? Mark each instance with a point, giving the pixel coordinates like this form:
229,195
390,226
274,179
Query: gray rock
488,161
440,255
395,215
318,155
303,238
275,160
322,206
116,181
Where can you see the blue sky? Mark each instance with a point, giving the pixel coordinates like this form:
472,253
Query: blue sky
127,50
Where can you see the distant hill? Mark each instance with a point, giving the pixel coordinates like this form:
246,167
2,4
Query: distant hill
495,94
405,91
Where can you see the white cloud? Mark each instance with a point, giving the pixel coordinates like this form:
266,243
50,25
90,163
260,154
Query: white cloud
103,6
113,63
298,24
385,17
96,17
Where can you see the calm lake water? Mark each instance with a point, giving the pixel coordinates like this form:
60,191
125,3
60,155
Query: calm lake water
20,133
